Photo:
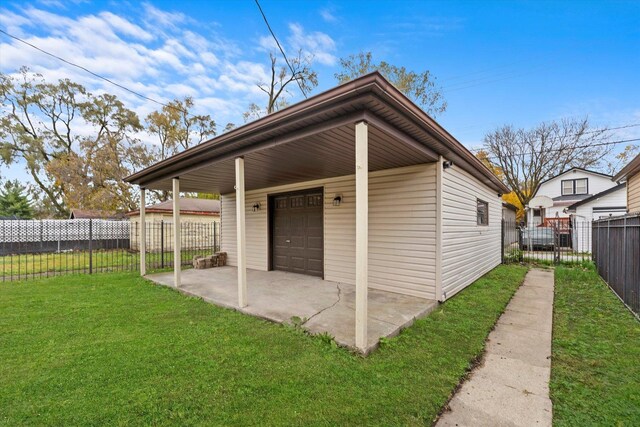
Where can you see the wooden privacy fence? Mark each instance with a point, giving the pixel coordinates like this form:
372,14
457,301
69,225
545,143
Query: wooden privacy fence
616,253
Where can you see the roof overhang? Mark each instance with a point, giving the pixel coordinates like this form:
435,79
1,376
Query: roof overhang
314,139
629,170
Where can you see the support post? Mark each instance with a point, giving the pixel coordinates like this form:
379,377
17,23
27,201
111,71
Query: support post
240,231
177,264
362,233
439,176
143,233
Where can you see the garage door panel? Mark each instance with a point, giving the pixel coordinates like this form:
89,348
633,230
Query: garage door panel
297,232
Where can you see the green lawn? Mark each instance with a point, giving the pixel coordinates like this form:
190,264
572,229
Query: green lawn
116,349
19,266
595,376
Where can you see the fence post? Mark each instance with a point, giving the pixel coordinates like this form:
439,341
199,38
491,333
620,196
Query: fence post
608,249
624,261
162,243
501,241
90,246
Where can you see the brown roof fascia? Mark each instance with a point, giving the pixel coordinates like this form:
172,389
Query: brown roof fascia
373,82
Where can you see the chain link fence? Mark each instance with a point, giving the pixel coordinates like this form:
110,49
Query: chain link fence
33,249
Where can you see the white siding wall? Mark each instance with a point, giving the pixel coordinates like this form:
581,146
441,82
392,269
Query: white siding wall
468,250
402,205
585,214
597,183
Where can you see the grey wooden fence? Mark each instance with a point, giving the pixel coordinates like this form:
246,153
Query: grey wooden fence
616,253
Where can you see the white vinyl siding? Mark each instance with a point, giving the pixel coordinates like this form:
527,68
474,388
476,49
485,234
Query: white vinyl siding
633,193
469,250
402,205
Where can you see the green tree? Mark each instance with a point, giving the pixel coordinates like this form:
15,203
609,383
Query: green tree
77,147
420,87
177,128
14,201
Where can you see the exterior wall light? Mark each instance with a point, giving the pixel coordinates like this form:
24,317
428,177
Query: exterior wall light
256,207
337,200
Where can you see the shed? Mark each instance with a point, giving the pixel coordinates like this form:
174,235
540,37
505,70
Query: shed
355,185
199,219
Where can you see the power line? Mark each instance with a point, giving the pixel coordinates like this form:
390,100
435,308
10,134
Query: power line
280,47
476,149
95,74
531,153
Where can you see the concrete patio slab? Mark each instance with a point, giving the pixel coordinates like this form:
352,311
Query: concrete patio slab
324,306
511,385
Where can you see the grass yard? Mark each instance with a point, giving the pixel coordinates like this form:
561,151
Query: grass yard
18,266
595,376
116,349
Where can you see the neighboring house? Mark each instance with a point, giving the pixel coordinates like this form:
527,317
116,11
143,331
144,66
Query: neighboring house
631,174
200,219
355,185
556,194
610,202
509,212
95,214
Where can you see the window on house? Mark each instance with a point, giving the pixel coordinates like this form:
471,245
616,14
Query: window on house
581,186
567,187
483,212
575,186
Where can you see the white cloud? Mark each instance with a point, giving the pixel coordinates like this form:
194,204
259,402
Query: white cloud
125,27
316,43
162,55
328,16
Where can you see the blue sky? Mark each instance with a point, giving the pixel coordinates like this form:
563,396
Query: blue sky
499,63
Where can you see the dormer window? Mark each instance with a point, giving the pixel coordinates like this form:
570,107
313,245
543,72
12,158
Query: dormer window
575,186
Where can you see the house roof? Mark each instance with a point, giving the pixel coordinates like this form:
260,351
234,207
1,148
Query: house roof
188,206
314,139
571,197
572,169
509,206
632,168
94,214
597,196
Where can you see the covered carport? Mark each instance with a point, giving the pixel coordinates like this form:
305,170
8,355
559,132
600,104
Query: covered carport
362,126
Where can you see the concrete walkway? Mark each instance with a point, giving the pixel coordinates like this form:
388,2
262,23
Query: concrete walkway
511,386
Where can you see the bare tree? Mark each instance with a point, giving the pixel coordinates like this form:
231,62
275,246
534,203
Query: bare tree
528,157
297,71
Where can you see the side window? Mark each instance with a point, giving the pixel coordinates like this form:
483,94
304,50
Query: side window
581,186
483,212
567,187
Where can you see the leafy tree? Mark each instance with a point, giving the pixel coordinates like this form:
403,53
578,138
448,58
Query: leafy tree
622,158
14,201
77,147
282,76
420,87
177,128
528,157
510,197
